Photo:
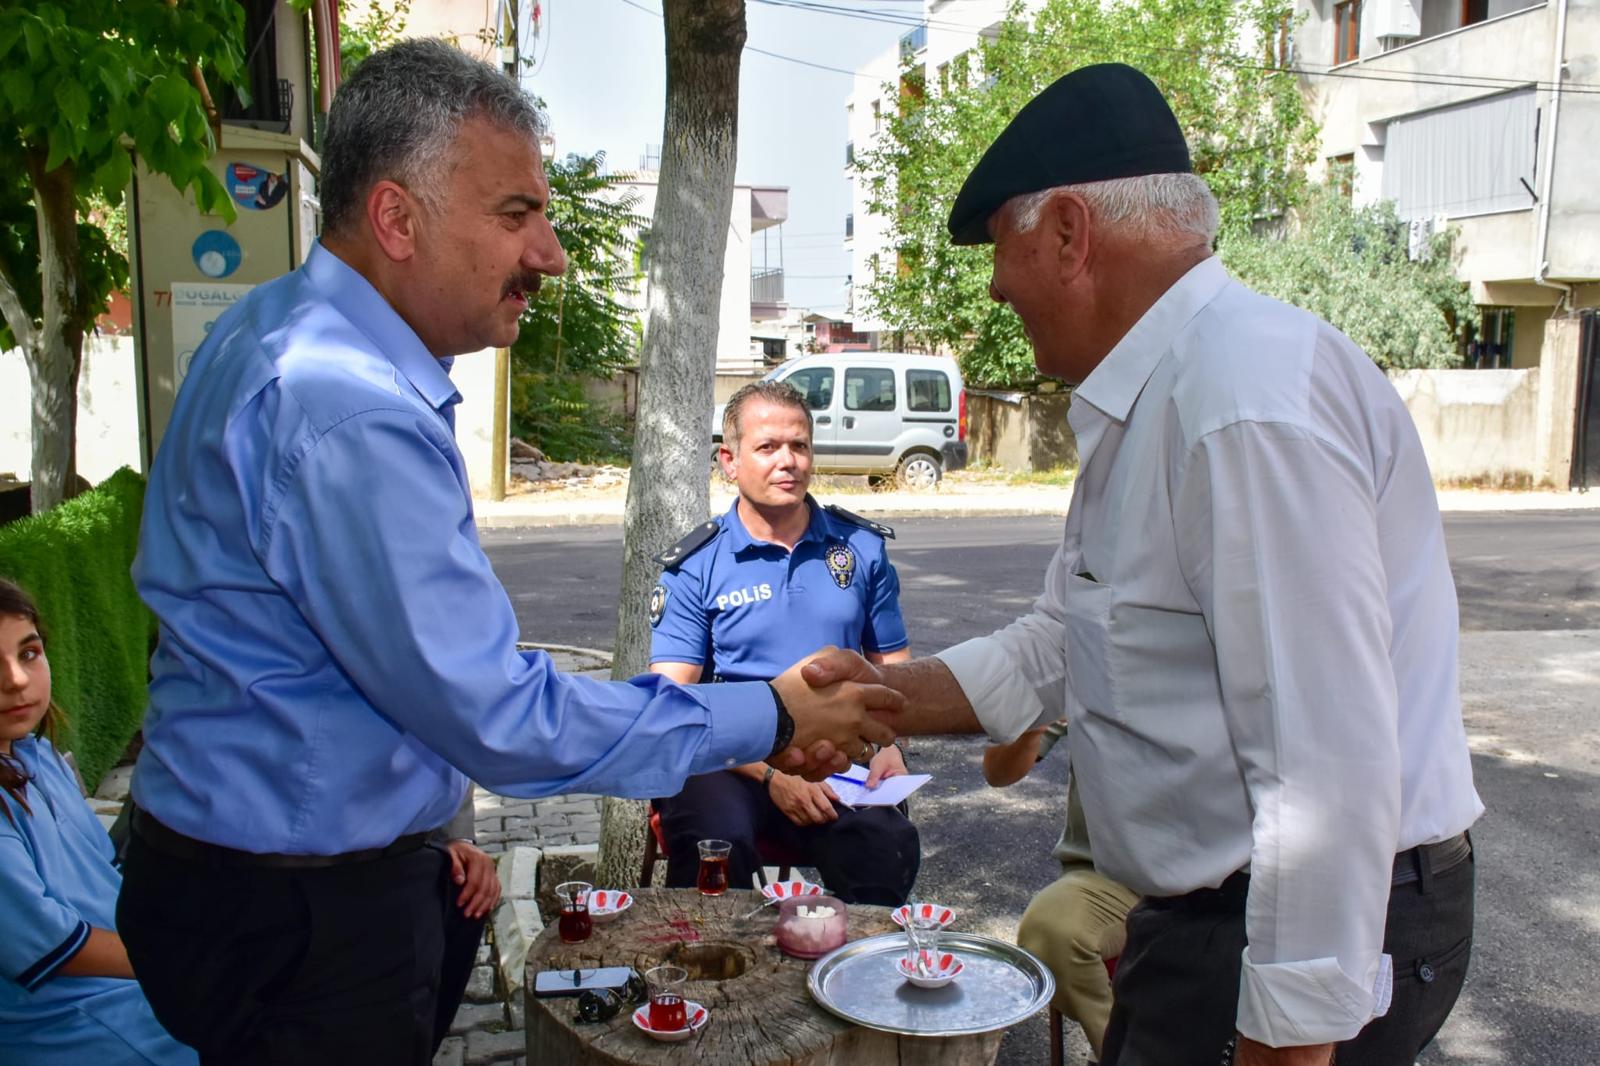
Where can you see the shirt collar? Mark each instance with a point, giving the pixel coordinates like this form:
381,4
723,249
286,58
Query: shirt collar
739,537
1115,384
354,297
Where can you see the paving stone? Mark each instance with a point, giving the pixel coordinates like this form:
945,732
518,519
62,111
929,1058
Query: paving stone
516,809
495,1047
547,821
491,837
114,785
488,825
452,1052
517,1012
474,1017
491,848
480,986
517,924
519,872
512,823
485,954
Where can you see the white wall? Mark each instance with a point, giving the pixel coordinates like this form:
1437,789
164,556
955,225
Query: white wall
108,410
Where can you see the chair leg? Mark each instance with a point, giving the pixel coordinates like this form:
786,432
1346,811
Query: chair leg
1057,1038
651,854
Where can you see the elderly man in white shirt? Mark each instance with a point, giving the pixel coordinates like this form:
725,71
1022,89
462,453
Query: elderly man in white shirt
1250,624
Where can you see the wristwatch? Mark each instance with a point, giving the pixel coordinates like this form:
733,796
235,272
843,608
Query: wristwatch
766,778
785,730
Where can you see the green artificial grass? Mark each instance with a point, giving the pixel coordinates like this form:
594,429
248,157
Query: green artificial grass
74,561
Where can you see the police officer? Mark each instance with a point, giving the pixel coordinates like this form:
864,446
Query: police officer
743,596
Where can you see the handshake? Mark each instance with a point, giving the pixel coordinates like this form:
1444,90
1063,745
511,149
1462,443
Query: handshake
840,705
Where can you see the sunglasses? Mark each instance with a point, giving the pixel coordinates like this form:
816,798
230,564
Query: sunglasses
604,1004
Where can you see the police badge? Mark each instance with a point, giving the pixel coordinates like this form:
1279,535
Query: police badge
658,604
841,564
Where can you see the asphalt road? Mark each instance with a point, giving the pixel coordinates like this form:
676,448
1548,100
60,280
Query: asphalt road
1526,582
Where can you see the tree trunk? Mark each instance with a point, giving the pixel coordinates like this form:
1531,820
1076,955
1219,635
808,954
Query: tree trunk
669,492
56,354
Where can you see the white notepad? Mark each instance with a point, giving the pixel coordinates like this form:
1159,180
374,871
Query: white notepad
852,792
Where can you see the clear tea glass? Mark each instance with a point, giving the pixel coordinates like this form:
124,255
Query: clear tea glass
667,1009
922,944
713,879
575,925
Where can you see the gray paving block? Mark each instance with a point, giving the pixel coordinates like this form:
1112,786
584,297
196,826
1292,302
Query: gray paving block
453,1052
474,1017
495,1047
480,986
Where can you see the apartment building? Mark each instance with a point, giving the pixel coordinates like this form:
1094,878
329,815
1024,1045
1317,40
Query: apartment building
1483,115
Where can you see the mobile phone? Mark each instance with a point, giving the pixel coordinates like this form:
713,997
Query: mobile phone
571,982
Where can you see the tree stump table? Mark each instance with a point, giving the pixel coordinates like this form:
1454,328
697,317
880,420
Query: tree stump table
761,1009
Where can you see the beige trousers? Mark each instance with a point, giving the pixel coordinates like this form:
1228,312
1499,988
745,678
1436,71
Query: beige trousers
1074,925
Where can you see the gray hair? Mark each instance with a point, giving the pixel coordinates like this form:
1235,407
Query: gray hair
398,115
777,393
1151,205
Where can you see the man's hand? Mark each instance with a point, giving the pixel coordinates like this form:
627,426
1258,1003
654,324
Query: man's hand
1250,1053
887,763
831,665
474,871
836,713
803,802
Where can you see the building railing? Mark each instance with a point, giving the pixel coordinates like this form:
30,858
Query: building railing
766,286
913,42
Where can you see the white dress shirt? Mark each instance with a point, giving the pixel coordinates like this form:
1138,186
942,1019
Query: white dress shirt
1251,626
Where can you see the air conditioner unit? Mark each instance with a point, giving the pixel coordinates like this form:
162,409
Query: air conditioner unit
1393,21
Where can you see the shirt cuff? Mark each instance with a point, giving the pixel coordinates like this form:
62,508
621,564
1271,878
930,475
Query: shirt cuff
744,721
1005,705
1289,1004
58,956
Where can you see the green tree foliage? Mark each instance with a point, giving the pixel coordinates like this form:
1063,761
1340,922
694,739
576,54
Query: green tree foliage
78,82
578,327
1350,266
1247,126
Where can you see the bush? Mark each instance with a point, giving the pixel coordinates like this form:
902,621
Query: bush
551,411
74,560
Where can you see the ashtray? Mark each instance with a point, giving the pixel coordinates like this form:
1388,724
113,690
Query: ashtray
606,903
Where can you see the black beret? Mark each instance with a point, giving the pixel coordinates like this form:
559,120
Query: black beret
1099,122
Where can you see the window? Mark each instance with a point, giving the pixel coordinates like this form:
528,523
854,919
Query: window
815,384
877,116
927,390
1346,31
1468,159
1492,348
868,388
1342,173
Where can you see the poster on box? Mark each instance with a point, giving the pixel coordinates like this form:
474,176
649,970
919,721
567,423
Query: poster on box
256,188
196,306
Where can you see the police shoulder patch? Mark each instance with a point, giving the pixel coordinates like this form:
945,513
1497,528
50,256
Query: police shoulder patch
693,541
856,520
841,564
658,604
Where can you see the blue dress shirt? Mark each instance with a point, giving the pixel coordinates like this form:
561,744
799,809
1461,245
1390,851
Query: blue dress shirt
56,884
752,608
334,648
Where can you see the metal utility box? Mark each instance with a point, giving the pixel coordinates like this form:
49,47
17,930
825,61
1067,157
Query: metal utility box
189,267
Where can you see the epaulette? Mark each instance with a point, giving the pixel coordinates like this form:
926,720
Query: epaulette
693,541
856,520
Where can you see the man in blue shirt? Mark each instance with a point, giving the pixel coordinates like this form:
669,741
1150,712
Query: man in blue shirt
773,578
336,656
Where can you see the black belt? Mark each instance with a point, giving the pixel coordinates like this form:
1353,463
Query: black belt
170,842
1421,863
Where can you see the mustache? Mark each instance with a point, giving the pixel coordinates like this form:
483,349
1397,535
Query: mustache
526,282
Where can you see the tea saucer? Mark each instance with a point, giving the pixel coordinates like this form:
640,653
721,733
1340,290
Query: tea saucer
788,889
938,911
948,969
606,903
698,1016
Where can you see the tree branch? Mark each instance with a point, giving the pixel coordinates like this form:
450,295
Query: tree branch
16,315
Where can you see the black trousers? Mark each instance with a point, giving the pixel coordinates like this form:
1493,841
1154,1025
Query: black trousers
364,962
1176,993
870,855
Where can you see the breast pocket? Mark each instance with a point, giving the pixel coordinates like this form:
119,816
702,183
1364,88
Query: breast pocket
1088,623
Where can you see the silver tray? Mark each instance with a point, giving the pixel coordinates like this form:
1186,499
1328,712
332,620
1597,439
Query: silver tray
1000,986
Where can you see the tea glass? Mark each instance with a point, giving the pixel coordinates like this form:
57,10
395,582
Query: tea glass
667,1010
713,879
575,924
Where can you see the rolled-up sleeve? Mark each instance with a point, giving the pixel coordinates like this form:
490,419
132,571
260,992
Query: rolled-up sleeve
1290,579
1015,678
42,933
374,541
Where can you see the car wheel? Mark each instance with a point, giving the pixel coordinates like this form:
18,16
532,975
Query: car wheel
920,472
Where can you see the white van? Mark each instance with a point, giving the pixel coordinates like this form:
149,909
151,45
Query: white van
883,414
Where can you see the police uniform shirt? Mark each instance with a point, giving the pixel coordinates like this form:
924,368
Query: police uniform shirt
751,608
56,884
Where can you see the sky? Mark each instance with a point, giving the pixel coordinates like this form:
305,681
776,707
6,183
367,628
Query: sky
602,75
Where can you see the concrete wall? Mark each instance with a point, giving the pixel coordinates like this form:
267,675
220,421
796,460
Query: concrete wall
1020,431
108,410
1476,425
474,378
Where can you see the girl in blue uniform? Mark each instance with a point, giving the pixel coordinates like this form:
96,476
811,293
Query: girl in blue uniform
67,993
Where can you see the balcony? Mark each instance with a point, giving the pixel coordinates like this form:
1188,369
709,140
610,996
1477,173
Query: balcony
913,42
849,226
766,287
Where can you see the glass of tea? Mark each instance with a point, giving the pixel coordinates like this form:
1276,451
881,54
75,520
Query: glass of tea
667,1010
922,943
575,924
713,880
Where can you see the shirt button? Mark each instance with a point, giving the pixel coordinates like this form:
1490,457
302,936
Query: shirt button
1425,972
731,762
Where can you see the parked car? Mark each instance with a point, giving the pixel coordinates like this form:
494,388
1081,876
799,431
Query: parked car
889,415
